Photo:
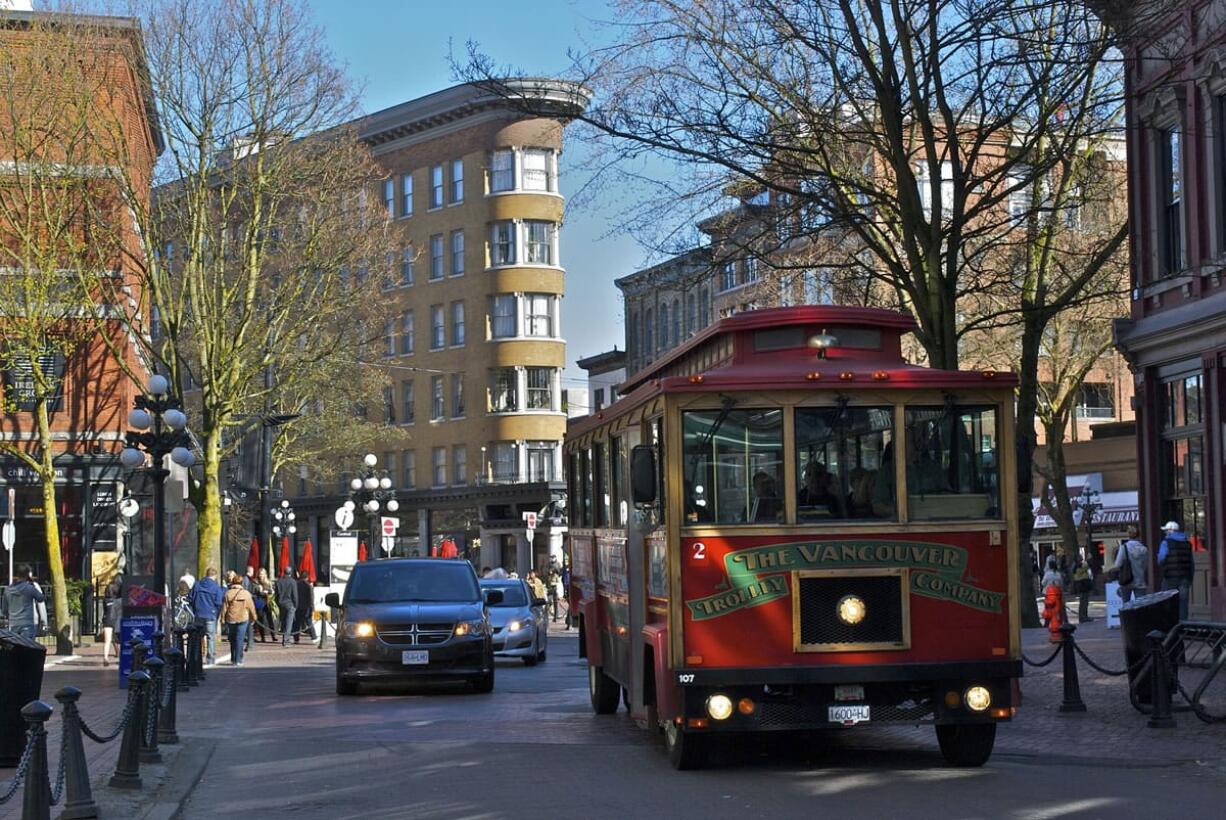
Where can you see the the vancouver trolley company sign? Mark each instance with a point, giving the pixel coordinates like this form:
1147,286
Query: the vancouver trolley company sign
757,575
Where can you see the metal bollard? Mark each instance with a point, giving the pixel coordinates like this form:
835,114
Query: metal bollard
79,798
159,643
139,650
36,801
153,703
193,648
323,631
1160,683
185,681
127,769
196,659
1072,685
167,733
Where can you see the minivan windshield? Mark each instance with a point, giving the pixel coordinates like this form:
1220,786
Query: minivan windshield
379,582
512,594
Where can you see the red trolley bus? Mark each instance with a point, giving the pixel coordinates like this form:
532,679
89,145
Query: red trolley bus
784,525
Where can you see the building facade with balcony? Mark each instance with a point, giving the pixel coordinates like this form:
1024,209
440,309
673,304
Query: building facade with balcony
474,358
1175,336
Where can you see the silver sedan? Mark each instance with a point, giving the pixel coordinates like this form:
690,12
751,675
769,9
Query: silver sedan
519,622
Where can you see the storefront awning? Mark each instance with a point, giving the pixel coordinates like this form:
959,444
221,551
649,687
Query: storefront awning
1118,510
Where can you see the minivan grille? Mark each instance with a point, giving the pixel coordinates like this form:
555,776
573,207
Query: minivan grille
414,634
818,627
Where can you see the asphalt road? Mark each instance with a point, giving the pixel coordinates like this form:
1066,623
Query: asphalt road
287,746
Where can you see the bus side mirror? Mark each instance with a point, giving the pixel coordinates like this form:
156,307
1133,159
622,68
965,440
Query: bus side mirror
643,474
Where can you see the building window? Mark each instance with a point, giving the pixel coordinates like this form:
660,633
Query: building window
538,242
438,404
438,459
502,243
436,187
502,316
406,266
538,172
410,469
502,171
597,399
1096,400
704,307
691,314
503,390
664,340
457,324
457,395
457,180
676,322
538,315
1170,189
540,388
540,460
389,197
459,464
751,269
406,195
389,405
817,287
506,462
389,337
457,253
924,186
1219,114
727,277
438,338
406,333
406,402
648,336
1183,455
436,257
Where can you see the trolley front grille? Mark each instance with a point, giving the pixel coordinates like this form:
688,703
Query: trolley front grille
882,594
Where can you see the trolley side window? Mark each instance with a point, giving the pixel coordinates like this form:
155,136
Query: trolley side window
733,470
599,489
617,457
846,463
952,462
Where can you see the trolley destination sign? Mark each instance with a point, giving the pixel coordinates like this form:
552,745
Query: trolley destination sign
755,575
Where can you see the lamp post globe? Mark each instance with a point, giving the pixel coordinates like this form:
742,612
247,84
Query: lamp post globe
132,458
139,419
393,505
158,386
355,484
370,460
175,419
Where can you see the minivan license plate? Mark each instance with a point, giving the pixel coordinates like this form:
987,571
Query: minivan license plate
417,657
849,715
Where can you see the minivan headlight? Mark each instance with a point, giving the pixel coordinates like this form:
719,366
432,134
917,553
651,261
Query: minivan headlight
469,628
359,629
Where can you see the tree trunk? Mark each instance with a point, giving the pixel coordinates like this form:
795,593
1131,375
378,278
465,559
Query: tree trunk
1027,398
209,520
51,521
1058,478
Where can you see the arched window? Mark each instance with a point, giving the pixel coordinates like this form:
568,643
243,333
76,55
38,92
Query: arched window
704,308
664,340
691,313
677,335
648,347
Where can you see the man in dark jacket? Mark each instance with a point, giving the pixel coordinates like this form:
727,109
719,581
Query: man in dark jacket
287,599
21,601
306,603
1175,564
206,597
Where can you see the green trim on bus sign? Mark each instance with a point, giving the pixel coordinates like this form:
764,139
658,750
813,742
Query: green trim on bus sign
757,575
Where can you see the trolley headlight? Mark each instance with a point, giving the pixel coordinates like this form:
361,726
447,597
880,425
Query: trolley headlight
851,609
977,698
361,629
719,707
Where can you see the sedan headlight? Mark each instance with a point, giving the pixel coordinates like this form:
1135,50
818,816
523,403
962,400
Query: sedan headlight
469,628
516,625
359,629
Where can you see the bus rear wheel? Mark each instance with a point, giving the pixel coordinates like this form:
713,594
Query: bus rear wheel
967,744
686,750
604,691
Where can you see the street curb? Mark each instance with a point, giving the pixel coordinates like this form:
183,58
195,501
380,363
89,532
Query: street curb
181,780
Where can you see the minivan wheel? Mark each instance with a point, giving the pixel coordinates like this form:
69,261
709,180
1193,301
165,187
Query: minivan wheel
344,686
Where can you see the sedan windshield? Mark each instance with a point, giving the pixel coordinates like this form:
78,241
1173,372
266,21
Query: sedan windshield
378,582
512,594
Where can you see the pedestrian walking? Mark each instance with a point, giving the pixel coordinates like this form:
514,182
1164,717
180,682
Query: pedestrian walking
551,585
536,585
206,598
238,612
248,582
566,591
1131,566
188,579
21,600
262,592
287,602
1083,583
1176,564
112,611
1053,592
306,606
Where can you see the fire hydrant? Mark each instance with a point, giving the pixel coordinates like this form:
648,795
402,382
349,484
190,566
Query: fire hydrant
1053,612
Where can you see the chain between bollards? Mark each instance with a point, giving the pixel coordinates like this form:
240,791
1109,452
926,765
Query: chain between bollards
127,769
1072,685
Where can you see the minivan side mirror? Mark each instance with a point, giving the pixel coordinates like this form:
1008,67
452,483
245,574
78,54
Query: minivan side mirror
333,600
493,597
539,602
643,474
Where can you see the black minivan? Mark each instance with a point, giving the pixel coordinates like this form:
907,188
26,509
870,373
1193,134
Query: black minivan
411,620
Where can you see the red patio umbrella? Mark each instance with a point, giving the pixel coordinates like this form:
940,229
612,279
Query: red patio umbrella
362,551
306,564
253,557
285,562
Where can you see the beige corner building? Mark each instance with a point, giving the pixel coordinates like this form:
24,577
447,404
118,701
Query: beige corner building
474,358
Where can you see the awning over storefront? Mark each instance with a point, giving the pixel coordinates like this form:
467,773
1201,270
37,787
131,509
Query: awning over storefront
1119,509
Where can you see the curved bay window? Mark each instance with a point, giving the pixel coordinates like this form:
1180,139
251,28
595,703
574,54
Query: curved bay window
733,466
844,455
952,462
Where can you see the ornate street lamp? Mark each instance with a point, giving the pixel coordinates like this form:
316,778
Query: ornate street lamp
1089,506
160,430
371,490
284,519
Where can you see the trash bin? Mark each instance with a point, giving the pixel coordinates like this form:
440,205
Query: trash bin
21,681
1138,618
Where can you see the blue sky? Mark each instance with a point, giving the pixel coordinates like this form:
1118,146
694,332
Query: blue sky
398,49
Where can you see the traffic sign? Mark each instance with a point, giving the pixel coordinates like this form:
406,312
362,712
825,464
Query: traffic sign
530,520
344,517
389,525
10,534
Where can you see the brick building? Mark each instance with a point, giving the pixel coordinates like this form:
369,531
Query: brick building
88,415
